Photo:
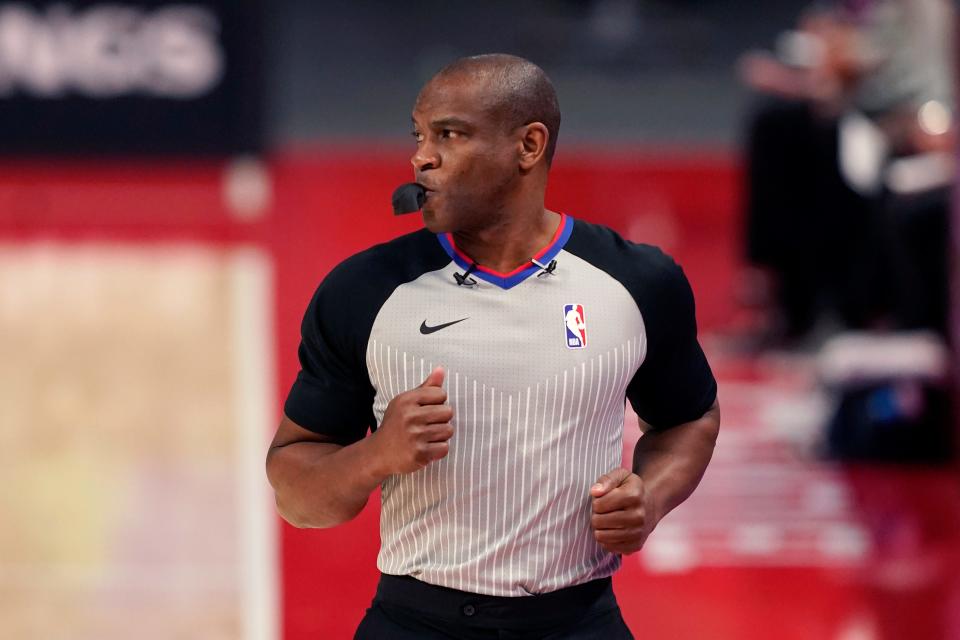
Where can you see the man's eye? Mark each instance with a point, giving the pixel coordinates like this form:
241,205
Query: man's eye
448,133
417,136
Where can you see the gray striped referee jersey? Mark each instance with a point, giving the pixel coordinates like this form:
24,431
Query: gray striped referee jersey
538,369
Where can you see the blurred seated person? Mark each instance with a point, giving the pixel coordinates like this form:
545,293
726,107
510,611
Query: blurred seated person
849,157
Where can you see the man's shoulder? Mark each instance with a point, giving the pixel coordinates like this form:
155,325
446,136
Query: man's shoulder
348,299
636,265
653,278
399,260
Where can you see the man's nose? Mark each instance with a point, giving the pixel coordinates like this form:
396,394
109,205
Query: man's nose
425,158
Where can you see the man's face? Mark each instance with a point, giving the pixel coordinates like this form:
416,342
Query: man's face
465,157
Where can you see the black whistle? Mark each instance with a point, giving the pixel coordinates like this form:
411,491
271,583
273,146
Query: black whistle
408,198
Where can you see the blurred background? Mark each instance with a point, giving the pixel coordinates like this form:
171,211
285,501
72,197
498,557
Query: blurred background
177,177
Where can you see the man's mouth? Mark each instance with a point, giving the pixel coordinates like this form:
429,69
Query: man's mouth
429,193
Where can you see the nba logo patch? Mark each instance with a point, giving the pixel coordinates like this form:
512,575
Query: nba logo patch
576,326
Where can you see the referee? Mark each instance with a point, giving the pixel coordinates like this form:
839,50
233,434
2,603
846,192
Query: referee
491,355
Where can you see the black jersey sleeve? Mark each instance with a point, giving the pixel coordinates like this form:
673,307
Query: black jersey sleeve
674,384
332,394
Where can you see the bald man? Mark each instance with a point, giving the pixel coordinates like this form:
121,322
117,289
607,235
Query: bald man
496,420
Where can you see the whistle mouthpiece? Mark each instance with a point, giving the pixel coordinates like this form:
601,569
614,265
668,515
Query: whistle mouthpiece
408,198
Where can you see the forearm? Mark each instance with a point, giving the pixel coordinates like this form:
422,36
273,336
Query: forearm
672,462
320,484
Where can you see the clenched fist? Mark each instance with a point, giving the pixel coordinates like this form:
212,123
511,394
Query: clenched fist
416,427
622,515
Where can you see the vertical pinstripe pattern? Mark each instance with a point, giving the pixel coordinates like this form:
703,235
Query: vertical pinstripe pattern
455,460
507,512
538,409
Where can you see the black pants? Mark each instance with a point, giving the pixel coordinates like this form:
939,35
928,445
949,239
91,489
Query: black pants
406,608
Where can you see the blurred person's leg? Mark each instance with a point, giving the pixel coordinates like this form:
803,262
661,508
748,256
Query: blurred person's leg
784,216
857,277
920,225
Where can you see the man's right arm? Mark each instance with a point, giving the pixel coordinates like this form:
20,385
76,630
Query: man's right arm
319,483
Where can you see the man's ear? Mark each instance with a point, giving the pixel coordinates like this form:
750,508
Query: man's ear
533,145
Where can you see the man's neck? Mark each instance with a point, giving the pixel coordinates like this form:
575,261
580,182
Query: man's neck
511,243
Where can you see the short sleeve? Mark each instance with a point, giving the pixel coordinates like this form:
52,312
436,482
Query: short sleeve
674,384
332,394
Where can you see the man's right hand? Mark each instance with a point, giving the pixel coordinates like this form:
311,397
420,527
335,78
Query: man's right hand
416,427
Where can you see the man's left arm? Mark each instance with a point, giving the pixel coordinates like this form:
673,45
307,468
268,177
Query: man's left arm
668,464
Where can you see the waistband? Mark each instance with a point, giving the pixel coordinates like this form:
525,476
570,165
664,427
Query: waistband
541,610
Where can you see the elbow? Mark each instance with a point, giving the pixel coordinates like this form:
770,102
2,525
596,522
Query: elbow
298,503
295,517
299,508
290,517
711,424
283,491
276,475
301,518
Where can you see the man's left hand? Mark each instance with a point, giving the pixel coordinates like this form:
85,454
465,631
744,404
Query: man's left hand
623,514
